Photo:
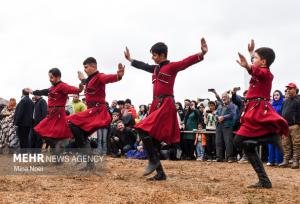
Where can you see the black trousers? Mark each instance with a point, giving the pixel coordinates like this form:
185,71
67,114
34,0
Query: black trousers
80,136
23,134
224,137
188,148
35,141
116,145
210,145
156,143
265,139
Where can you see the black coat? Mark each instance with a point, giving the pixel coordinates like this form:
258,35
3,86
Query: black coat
40,110
127,136
24,112
291,110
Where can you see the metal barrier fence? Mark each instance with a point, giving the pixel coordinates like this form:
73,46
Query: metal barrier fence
200,131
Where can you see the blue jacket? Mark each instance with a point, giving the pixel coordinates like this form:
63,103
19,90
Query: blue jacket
277,105
229,114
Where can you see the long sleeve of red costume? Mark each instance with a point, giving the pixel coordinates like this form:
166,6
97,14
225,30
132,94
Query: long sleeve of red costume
258,72
108,78
185,63
70,89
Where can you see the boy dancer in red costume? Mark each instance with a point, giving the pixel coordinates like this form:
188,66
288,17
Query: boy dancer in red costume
161,124
84,123
55,127
260,123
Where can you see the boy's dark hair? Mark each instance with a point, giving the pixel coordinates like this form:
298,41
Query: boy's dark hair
160,48
187,100
55,72
267,54
121,102
128,101
90,60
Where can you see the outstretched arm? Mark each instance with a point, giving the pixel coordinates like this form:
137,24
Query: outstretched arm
138,64
43,92
68,89
111,78
243,62
252,69
181,65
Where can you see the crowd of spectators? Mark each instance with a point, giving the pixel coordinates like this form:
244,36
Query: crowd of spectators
207,128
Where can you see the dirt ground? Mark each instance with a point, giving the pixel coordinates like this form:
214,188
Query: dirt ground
122,182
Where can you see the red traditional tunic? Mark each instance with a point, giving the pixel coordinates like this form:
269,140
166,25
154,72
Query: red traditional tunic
162,122
259,118
55,124
97,115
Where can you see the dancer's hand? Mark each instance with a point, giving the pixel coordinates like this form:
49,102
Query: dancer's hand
204,47
251,47
127,54
81,87
121,70
243,62
80,75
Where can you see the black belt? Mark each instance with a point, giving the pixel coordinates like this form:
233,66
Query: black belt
94,104
257,99
163,96
56,106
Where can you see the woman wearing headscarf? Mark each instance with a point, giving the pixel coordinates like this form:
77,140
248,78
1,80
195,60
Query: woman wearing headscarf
275,156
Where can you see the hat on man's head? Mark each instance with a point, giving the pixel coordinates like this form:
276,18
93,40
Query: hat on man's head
292,85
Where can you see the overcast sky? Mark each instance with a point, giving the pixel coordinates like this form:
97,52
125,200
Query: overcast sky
38,35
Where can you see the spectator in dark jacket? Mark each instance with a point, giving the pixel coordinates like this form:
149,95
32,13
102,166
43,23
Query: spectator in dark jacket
122,140
40,112
23,119
291,112
239,102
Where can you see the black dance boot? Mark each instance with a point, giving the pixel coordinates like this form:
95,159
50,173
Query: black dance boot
153,158
160,174
78,135
90,165
264,181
